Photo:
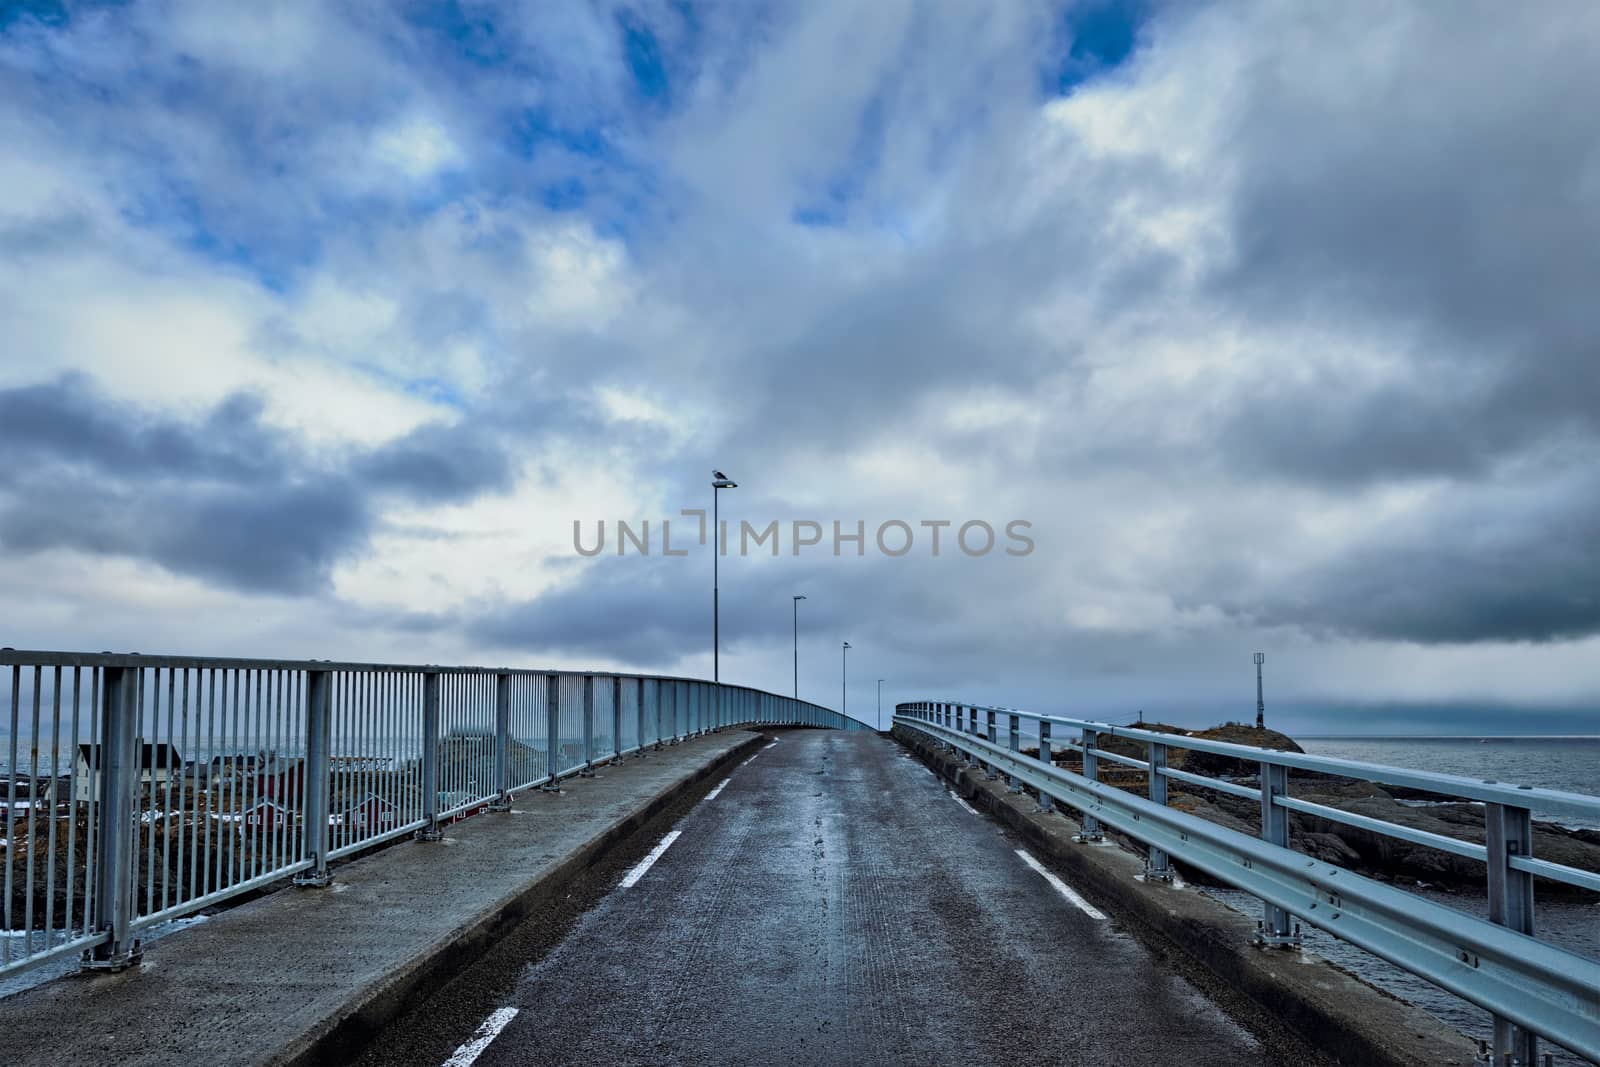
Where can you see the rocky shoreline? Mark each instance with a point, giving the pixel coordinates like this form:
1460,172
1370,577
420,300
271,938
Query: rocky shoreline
1368,853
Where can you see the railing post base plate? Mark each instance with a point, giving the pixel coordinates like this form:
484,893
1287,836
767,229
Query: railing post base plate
314,879
112,964
1266,940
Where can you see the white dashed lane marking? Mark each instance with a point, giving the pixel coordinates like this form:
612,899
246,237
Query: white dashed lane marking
1063,888
968,808
633,876
490,1029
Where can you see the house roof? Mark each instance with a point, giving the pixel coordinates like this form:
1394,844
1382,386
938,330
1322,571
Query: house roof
164,756
364,801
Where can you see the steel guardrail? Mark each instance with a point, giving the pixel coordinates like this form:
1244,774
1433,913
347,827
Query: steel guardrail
139,789
1532,989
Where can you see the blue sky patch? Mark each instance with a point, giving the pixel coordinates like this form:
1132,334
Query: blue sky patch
645,61
1096,36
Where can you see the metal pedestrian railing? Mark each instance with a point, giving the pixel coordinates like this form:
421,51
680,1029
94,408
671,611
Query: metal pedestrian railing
142,788
1532,988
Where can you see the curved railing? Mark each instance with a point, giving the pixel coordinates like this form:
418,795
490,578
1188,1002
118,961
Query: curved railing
142,788
1531,987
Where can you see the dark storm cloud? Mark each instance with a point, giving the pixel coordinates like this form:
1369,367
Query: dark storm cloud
1499,568
657,610
226,497
439,463
1446,208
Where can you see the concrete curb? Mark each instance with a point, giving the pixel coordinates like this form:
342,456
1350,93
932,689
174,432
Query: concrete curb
1338,1014
341,1037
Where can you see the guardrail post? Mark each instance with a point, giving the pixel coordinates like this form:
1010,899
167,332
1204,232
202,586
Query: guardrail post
1156,866
972,729
1045,803
1275,922
119,800
1510,833
988,768
616,720
552,733
1090,829
672,687
588,727
430,757
1013,783
319,780
502,744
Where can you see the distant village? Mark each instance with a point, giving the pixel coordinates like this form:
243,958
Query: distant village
265,790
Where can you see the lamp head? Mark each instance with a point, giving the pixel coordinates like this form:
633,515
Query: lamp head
799,596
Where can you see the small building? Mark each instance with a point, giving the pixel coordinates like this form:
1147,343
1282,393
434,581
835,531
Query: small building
370,815
268,815
157,764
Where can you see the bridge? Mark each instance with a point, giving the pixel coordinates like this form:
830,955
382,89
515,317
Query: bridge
246,861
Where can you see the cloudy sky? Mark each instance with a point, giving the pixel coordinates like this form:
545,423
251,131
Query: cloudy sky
1278,322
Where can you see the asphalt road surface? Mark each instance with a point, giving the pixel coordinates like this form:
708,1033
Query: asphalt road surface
831,903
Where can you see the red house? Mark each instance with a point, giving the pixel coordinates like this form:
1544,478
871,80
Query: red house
281,779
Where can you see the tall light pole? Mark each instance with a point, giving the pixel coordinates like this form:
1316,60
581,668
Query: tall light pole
719,482
844,674
1261,706
880,704
797,598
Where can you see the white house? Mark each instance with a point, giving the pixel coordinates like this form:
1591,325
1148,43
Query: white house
157,763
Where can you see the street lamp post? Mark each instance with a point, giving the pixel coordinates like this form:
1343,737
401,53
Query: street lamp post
719,482
880,704
797,598
844,674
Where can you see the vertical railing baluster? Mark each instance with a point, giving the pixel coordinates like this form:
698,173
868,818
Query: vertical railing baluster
672,688
552,719
1509,832
616,720
659,713
318,782
639,712
588,727
119,783
502,743
430,758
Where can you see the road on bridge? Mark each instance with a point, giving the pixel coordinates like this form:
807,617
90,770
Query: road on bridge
829,900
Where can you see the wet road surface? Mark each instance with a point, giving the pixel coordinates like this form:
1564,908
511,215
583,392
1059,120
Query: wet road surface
833,902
